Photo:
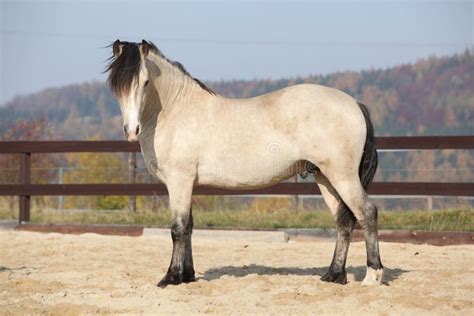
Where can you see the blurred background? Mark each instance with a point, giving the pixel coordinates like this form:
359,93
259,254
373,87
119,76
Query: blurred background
411,62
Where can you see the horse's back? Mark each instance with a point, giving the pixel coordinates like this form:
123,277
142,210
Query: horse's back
310,103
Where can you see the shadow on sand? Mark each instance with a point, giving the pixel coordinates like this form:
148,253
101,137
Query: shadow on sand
242,271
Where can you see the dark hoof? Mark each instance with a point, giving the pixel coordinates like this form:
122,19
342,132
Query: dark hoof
169,279
335,277
189,278
175,279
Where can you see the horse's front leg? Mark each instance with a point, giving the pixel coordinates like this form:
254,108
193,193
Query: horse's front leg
181,268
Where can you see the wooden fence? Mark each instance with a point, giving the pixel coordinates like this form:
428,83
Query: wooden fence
25,189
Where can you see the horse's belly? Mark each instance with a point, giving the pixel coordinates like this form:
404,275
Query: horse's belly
245,174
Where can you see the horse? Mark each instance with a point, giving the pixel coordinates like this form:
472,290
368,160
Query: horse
189,135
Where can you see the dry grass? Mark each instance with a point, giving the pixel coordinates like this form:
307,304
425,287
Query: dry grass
442,220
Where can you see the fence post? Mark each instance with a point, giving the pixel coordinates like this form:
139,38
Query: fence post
132,174
60,181
25,164
429,203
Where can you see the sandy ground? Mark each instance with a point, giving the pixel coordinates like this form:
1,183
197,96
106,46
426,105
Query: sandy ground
68,274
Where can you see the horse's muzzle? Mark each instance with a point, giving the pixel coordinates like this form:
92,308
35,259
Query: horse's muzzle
131,135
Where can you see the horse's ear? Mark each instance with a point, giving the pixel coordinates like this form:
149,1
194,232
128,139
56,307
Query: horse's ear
144,48
117,48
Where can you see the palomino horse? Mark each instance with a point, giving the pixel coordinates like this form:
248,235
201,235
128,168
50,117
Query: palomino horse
191,136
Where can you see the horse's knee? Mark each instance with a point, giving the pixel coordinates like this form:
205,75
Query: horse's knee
182,228
177,231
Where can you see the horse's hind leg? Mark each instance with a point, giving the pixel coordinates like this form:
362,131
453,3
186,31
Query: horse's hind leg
181,268
345,221
352,193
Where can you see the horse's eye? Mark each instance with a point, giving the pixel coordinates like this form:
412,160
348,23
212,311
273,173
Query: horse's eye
146,83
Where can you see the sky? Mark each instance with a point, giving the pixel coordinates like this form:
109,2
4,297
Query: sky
54,43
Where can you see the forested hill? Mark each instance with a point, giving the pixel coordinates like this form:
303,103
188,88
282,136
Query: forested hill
433,96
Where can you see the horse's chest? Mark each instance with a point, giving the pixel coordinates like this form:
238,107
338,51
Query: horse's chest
154,161
162,159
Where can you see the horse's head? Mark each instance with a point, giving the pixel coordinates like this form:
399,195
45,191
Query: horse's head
128,80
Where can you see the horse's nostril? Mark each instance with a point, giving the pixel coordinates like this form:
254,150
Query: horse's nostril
125,129
137,130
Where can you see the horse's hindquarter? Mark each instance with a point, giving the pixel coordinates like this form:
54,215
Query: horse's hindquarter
257,142
331,127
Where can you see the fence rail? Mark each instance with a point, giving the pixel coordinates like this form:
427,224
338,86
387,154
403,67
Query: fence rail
289,188
26,148
396,142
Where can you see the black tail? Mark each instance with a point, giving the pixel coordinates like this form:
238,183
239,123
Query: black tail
367,168
369,162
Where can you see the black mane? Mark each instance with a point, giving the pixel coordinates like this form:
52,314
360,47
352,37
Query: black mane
126,68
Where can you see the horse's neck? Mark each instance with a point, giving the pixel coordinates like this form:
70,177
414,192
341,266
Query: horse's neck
172,85
173,90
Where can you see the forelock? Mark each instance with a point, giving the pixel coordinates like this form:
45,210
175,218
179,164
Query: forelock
124,69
